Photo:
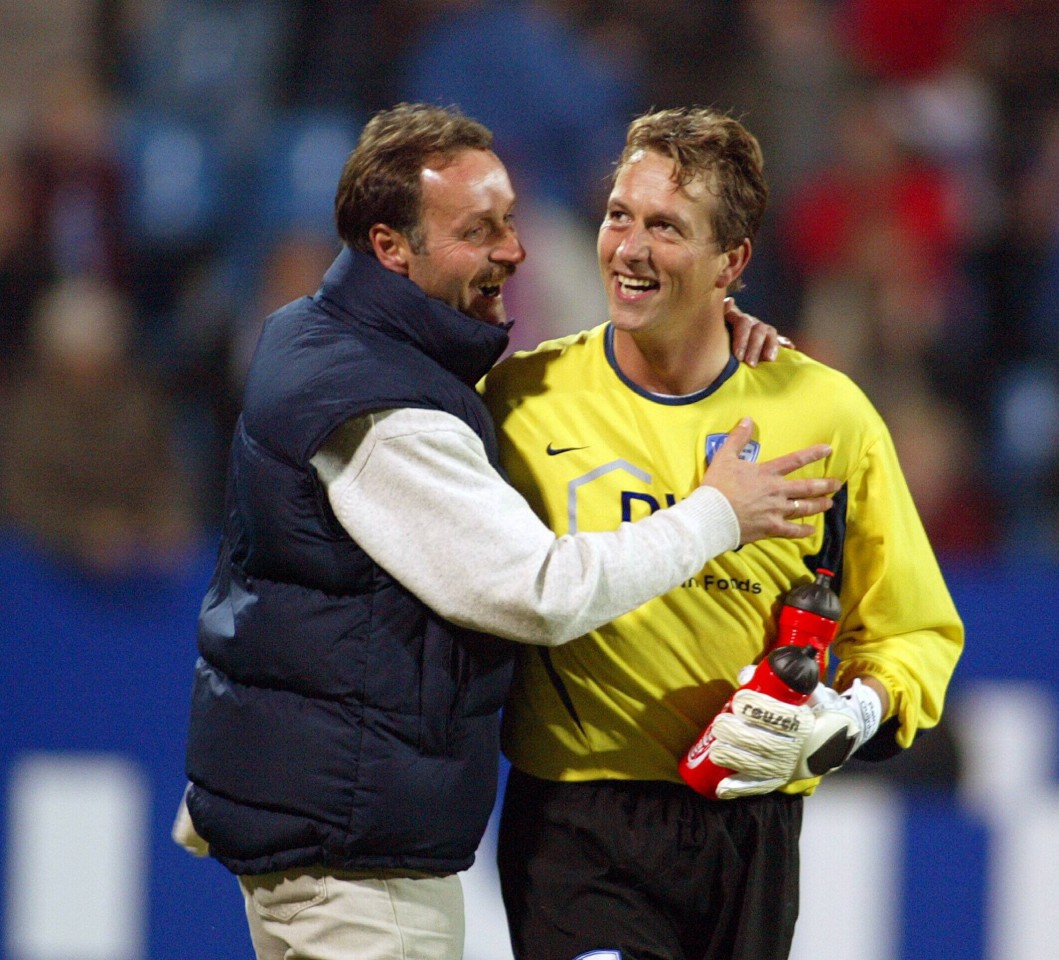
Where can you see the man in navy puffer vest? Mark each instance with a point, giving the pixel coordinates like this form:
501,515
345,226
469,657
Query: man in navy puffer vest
354,640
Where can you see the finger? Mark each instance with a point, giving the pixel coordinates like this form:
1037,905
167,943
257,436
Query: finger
793,531
740,331
786,342
799,458
733,315
760,344
737,785
763,345
815,505
737,438
809,507
806,488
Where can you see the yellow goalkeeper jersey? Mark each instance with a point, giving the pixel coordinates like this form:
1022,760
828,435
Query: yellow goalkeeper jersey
589,449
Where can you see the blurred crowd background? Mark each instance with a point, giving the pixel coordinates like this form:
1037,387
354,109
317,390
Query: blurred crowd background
167,172
167,169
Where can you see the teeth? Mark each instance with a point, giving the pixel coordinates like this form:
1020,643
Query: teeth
636,283
490,290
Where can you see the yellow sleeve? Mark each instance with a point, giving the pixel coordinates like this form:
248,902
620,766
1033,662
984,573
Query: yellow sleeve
902,626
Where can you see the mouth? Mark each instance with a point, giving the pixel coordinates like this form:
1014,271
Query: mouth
491,287
633,288
488,297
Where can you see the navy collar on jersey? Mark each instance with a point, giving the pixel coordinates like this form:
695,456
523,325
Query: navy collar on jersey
673,401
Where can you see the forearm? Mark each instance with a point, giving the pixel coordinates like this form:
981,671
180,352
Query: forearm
415,490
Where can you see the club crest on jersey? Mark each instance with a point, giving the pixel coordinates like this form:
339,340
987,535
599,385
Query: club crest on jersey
713,444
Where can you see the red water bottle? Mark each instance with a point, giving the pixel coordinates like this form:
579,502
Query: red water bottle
808,623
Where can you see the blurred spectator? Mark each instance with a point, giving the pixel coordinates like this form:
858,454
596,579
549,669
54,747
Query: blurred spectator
561,88
1025,400
784,70
1029,251
1026,472
1025,41
910,39
675,53
296,170
24,269
556,290
76,183
871,192
195,364
87,463
872,238
914,240
878,239
199,93
940,461
790,93
174,214
34,38
216,319
207,62
345,56
291,267
556,98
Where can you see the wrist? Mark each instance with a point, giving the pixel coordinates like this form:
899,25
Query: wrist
865,698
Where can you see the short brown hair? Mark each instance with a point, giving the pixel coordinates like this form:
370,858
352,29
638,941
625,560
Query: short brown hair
380,181
719,149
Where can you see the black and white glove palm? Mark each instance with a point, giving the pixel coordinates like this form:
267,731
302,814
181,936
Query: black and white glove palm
842,722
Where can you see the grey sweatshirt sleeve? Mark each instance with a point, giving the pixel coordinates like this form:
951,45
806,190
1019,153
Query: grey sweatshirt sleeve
415,490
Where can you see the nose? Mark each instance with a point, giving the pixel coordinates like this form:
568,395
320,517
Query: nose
633,245
510,249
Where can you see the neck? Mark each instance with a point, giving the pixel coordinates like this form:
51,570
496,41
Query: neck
674,366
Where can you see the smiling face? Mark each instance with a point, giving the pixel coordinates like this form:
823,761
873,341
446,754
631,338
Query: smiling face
662,269
468,246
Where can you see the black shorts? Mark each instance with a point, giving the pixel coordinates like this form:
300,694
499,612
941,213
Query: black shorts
645,870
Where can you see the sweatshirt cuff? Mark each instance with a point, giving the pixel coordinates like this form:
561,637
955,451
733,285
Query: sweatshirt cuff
712,518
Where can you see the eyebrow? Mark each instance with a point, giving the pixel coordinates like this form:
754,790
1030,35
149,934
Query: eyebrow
675,218
473,215
655,214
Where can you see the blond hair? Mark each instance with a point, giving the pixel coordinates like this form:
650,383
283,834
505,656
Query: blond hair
706,144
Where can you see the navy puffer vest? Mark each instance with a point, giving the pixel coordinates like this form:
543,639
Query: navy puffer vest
335,719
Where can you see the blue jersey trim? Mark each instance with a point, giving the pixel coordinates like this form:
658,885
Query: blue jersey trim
729,369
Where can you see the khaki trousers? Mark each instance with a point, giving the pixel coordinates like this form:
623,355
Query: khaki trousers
322,914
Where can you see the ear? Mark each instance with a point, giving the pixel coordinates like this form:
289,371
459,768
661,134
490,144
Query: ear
735,262
391,248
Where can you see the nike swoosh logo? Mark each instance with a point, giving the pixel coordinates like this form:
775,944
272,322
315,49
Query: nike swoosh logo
553,451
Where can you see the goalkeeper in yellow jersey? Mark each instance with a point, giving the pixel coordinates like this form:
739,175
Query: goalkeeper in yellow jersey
604,851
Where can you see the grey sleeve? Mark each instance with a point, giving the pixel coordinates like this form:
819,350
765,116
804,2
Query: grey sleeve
415,490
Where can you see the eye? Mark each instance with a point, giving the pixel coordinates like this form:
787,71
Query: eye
616,216
476,234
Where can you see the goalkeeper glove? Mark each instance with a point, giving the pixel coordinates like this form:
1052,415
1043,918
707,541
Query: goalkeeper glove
842,722
760,739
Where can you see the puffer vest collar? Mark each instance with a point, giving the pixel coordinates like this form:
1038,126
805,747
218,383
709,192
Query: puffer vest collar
361,289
